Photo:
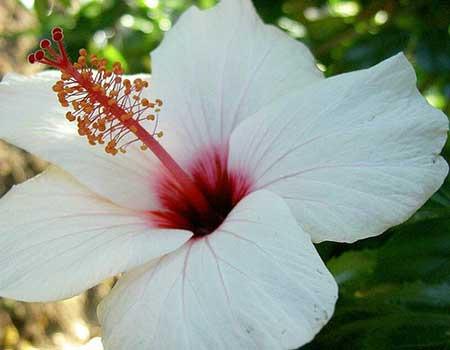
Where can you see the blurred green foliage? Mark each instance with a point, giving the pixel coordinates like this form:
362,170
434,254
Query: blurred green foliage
394,289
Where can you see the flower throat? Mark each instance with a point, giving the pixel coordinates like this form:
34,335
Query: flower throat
110,111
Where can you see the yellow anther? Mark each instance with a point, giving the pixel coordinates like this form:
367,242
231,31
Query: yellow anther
82,60
118,70
70,117
94,60
125,117
88,108
91,139
160,134
83,52
151,117
65,76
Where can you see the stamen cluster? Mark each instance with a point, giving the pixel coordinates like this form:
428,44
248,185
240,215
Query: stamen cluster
97,121
106,107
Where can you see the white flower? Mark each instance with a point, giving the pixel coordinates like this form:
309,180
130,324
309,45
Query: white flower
282,156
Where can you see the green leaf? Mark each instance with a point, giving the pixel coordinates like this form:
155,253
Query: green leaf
442,197
420,251
389,316
352,269
42,8
396,296
408,330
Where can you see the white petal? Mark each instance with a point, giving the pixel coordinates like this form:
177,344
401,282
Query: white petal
57,239
32,119
255,283
219,66
353,155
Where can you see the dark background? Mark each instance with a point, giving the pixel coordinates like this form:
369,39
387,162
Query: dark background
394,289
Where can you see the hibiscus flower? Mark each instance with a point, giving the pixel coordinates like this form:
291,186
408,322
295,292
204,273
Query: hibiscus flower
211,226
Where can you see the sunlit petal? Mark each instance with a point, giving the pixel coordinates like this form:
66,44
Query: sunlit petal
353,155
58,238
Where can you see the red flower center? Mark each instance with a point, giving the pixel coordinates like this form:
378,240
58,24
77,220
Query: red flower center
221,188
